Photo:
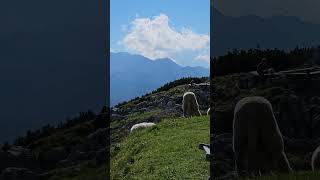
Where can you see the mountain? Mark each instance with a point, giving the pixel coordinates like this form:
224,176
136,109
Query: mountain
248,31
52,65
135,75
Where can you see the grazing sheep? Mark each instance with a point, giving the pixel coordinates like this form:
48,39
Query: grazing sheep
208,112
190,105
315,159
257,140
141,125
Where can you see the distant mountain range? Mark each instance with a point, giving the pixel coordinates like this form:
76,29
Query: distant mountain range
135,75
52,63
246,32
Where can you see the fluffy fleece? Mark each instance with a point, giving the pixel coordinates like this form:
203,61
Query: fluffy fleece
209,112
257,141
315,159
190,105
141,125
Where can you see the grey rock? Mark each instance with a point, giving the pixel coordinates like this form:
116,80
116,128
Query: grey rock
116,117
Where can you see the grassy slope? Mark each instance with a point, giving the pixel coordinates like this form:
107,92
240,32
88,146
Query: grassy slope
87,170
84,171
168,150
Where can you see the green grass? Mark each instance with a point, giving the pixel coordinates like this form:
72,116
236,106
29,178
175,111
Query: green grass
168,150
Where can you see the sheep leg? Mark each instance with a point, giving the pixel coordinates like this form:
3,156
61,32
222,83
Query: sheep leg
253,157
240,156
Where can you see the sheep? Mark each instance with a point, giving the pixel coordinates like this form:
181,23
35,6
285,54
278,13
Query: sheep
141,125
208,112
257,141
190,105
315,158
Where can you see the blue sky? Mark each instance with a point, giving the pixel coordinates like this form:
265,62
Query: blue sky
178,29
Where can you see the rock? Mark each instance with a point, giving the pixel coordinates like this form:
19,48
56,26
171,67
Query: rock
16,156
116,117
142,105
142,110
170,104
13,173
114,110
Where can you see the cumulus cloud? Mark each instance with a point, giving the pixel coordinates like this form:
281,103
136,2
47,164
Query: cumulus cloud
155,38
203,57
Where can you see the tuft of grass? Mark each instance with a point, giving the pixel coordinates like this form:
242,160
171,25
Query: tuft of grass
168,150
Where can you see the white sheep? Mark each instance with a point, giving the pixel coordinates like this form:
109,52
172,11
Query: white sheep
315,158
208,112
141,125
257,140
190,105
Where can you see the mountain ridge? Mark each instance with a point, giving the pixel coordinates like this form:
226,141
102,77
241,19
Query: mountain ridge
135,75
245,32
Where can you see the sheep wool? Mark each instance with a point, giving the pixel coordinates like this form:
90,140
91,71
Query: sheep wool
190,105
141,125
257,141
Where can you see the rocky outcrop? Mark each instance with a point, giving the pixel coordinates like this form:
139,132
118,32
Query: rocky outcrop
16,156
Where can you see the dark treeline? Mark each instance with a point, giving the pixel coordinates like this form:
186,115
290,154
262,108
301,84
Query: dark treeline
244,61
181,81
45,131
167,86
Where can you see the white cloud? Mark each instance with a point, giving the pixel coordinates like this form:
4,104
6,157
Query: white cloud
203,57
155,38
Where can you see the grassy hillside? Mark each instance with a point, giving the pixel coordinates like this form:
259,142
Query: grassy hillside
168,150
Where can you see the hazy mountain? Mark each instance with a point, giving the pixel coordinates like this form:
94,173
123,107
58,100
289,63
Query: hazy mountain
272,32
52,63
135,75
